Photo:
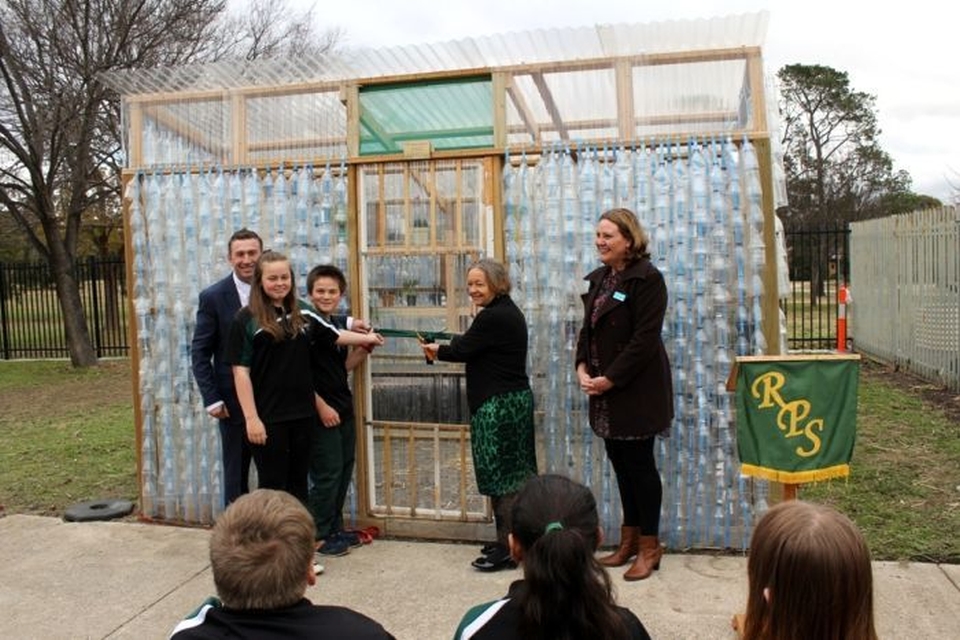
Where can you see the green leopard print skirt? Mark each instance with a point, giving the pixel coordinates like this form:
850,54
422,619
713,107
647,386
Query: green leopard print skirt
502,442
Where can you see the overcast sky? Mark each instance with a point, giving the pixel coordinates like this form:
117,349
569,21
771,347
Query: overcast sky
899,52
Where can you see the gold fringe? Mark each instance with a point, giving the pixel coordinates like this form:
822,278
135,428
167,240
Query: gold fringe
795,477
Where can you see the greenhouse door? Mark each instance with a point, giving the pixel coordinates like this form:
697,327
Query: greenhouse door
421,224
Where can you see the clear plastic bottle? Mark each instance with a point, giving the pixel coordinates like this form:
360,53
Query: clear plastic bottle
278,206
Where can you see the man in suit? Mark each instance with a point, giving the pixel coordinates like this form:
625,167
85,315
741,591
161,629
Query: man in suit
219,303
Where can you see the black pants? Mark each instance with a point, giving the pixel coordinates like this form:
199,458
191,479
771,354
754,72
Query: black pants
284,461
236,458
638,481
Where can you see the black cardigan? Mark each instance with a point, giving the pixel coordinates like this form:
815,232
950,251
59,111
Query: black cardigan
495,351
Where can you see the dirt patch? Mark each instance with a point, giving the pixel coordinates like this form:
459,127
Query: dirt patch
109,383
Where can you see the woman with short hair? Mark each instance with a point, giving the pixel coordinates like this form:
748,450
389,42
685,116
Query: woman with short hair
494,349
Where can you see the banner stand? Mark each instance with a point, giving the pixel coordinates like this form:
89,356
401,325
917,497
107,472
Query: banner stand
799,398
796,420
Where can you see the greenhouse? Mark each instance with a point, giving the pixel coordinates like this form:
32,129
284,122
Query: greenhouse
402,165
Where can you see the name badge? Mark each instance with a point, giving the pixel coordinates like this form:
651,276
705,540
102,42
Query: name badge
619,296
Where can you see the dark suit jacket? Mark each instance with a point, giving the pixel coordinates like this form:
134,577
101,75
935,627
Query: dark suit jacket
219,303
631,351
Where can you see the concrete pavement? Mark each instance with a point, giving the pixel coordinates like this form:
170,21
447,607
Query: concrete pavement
132,580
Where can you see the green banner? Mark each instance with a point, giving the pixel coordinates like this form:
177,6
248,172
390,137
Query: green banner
796,416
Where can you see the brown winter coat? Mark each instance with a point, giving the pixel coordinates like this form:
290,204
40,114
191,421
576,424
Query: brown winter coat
631,351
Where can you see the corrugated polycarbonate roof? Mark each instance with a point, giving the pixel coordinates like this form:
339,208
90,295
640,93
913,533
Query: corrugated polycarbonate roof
596,85
512,49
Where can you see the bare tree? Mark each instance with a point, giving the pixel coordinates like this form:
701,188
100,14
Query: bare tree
258,32
60,127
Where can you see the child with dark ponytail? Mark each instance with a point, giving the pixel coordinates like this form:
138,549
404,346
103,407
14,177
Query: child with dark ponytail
565,593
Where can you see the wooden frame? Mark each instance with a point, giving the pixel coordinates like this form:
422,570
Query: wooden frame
239,150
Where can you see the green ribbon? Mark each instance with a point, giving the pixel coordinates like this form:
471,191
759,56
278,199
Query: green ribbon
425,336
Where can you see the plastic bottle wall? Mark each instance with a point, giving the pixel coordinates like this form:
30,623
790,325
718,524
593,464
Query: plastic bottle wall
180,225
700,203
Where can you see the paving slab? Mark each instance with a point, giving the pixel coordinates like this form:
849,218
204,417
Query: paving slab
85,580
132,580
952,572
915,600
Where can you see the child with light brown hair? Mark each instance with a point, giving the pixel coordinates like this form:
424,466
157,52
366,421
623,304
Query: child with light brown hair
809,576
261,555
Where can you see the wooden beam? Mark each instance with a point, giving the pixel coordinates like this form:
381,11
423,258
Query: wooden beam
770,302
436,202
529,127
381,206
299,143
645,121
675,137
238,130
429,186
500,83
135,140
133,337
529,120
494,169
458,225
183,129
626,115
350,94
408,217
755,84
541,83
376,130
360,379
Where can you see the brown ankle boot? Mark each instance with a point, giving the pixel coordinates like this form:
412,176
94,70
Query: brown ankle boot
629,545
648,559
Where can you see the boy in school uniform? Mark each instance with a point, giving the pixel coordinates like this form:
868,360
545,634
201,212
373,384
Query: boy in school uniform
261,554
334,444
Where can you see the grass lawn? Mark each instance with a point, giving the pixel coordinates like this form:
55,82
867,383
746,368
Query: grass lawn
904,487
68,435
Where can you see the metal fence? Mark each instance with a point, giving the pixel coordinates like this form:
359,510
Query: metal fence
818,263
906,292
31,322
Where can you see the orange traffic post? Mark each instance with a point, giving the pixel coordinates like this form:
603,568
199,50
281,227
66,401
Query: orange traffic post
843,297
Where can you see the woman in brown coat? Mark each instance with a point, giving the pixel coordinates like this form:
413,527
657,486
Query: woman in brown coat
623,366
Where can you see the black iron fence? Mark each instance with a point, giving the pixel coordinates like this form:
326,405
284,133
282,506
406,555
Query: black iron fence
31,323
819,265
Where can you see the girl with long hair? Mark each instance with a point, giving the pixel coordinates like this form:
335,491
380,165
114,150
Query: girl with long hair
272,350
565,594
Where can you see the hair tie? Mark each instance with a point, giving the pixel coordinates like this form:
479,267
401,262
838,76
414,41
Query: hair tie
553,526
